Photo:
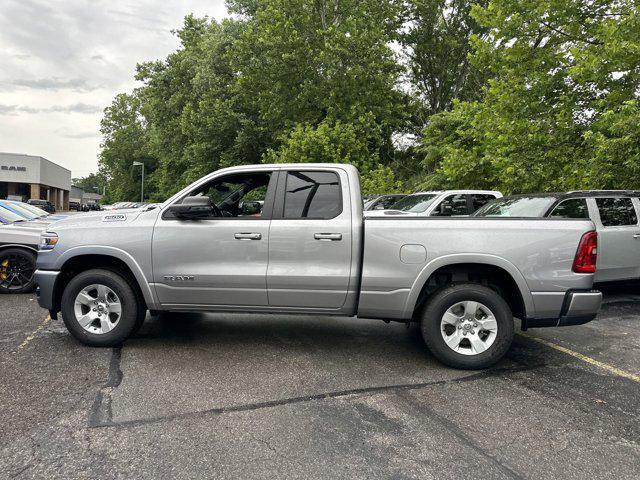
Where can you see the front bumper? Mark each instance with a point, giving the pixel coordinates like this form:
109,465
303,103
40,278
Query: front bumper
578,307
46,281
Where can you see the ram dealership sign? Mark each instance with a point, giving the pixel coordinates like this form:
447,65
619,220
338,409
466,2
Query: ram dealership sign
13,168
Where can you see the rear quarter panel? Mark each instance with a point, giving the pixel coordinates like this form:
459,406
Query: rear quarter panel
537,253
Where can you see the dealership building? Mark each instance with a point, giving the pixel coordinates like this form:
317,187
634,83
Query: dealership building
29,176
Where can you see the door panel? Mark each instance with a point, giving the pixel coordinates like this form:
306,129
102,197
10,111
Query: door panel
618,239
310,258
226,270
221,259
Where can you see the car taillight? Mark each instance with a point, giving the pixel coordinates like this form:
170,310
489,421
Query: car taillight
585,261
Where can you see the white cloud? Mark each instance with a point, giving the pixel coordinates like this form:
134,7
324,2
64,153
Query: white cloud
64,60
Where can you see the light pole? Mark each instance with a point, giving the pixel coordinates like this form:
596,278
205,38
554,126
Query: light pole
140,164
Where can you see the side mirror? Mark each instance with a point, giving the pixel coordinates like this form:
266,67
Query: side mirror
379,207
192,208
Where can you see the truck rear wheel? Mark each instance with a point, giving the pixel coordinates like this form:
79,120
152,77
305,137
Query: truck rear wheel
100,308
467,326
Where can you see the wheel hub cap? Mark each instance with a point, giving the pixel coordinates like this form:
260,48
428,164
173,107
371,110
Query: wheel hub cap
97,309
469,327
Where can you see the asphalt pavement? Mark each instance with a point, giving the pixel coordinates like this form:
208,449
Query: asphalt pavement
269,396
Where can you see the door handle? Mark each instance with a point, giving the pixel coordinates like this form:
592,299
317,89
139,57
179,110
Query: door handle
248,236
328,236
636,235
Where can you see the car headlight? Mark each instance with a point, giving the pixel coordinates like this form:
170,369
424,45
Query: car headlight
48,240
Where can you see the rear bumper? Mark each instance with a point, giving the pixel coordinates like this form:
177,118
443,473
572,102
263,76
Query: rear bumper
579,307
46,281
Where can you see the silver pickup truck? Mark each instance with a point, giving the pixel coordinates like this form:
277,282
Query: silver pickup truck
291,238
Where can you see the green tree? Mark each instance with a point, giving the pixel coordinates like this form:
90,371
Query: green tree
337,142
93,183
436,41
557,113
124,142
303,62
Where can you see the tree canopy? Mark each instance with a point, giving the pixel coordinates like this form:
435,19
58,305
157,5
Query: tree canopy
514,95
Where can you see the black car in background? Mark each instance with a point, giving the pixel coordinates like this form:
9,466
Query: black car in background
45,205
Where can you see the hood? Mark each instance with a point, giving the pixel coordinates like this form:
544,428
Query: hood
97,219
13,234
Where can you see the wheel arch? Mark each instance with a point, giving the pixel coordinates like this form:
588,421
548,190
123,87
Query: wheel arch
5,246
497,272
77,260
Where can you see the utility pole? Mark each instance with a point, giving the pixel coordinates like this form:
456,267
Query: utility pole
140,164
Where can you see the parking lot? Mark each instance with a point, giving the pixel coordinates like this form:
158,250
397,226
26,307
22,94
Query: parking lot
248,396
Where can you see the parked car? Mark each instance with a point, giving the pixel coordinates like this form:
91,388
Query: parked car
448,203
42,215
310,251
18,249
25,214
614,213
382,202
45,205
7,217
77,206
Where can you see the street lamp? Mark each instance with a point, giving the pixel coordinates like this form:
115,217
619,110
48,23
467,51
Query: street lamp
140,164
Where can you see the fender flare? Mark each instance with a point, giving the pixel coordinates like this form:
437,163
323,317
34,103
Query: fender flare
18,245
143,283
476,258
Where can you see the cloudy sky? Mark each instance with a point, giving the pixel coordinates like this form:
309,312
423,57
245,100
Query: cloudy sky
62,61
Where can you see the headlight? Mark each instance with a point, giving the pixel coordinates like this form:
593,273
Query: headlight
48,240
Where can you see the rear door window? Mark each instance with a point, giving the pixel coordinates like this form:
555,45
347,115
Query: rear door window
311,194
571,208
616,212
452,205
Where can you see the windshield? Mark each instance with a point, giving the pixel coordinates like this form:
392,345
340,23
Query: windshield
516,207
7,216
22,211
35,210
417,203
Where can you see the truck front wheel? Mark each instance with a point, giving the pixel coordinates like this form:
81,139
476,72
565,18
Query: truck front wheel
467,326
100,308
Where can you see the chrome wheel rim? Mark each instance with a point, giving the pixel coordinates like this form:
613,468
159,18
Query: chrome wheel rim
98,309
469,328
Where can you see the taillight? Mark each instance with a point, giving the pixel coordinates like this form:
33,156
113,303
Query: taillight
585,261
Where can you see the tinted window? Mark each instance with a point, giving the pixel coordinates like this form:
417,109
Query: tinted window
237,195
386,202
480,200
416,203
452,205
516,207
312,195
616,211
572,208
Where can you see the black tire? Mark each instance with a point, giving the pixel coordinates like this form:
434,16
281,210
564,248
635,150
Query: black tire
17,266
438,305
130,307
